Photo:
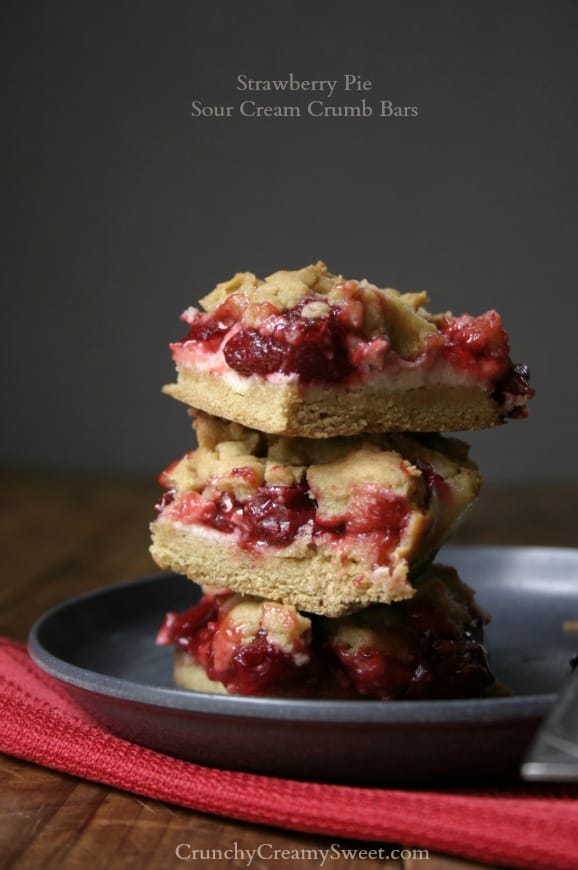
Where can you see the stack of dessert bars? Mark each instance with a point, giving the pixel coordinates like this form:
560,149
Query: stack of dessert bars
313,507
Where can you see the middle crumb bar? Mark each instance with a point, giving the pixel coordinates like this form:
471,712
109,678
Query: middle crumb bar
327,526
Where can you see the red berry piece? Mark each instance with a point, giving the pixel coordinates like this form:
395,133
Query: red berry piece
249,352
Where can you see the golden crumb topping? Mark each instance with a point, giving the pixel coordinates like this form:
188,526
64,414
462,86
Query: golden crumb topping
231,458
377,311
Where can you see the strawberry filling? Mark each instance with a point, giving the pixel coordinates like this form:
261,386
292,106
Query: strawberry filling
481,345
332,347
275,515
429,647
286,342
476,344
209,636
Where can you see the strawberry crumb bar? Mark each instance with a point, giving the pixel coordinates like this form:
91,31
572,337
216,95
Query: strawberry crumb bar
429,647
328,526
308,353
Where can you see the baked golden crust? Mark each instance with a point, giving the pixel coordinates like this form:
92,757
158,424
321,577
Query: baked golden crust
189,675
314,580
322,411
373,508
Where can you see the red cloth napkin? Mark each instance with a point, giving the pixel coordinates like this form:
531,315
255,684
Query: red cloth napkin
525,827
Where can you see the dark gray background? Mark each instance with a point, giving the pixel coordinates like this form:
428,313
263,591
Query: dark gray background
121,209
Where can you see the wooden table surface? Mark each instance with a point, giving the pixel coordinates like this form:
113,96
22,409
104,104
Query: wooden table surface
63,535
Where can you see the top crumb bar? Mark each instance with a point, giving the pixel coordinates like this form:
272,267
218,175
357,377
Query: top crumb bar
307,353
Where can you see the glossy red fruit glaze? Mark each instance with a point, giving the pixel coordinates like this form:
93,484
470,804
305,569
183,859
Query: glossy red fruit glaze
211,327
183,628
256,666
313,348
374,508
276,513
249,352
376,518
205,328
247,668
318,345
477,344
189,507
273,514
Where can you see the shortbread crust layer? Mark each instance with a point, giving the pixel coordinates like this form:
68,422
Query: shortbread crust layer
323,412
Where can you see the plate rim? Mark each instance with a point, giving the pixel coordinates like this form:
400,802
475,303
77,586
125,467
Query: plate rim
365,712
